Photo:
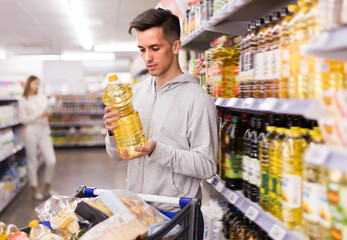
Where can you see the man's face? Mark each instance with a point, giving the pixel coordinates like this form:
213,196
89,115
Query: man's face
156,52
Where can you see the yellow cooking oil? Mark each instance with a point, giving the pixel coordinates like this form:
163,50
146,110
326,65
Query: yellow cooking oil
293,157
287,15
129,134
275,172
264,146
218,57
311,192
298,79
228,82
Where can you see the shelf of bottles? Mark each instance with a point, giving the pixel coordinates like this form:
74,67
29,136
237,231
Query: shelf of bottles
78,122
266,221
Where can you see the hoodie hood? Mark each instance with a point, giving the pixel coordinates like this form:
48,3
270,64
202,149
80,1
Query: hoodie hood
184,78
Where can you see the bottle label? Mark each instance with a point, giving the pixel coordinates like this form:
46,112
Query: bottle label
254,171
217,79
310,204
285,62
345,68
233,165
324,211
276,64
291,190
337,195
267,68
321,65
259,66
245,165
264,183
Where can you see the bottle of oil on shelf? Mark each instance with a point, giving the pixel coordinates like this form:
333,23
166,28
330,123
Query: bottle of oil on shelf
244,62
247,169
129,133
286,14
275,170
298,62
311,194
272,38
255,56
233,155
228,82
219,55
223,144
264,166
260,59
293,154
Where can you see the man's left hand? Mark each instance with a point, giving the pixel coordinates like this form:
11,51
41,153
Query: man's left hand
143,151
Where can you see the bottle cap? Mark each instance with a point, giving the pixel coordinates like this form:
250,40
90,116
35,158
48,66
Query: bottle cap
33,223
112,78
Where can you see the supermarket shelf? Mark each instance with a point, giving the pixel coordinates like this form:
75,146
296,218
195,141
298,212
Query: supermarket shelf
231,20
91,132
86,144
310,109
266,221
15,150
78,113
10,125
327,156
76,124
8,99
329,44
12,196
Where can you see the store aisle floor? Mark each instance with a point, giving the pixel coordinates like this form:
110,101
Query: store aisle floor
75,167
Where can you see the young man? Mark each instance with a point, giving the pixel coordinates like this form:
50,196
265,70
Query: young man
179,118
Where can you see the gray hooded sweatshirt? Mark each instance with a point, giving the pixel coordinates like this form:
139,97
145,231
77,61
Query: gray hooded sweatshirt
182,118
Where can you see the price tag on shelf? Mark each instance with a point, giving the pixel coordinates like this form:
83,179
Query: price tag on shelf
317,155
232,102
248,103
219,187
276,232
269,104
252,213
219,101
232,197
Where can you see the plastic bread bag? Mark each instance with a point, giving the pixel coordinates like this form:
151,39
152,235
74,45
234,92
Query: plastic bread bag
121,226
148,215
60,212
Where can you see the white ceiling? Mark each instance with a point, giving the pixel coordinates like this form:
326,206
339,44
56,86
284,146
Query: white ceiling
44,26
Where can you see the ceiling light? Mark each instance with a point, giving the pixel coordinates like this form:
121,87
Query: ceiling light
117,47
87,56
79,24
2,55
36,57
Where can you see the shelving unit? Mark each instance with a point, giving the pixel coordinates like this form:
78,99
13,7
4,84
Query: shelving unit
11,150
266,221
232,19
310,109
78,122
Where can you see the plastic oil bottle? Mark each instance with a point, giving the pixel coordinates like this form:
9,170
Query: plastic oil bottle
129,134
286,15
217,66
293,157
311,193
244,62
275,171
264,146
228,72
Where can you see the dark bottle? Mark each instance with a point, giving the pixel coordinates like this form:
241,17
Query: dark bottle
223,143
246,164
254,161
220,125
233,155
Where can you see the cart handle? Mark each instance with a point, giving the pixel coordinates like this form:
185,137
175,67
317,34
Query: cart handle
182,201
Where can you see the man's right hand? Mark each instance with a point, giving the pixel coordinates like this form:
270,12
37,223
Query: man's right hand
109,118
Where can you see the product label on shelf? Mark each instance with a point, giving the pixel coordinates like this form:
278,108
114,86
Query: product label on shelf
276,64
316,155
309,201
324,210
337,195
232,197
252,213
276,232
267,69
321,65
291,190
233,165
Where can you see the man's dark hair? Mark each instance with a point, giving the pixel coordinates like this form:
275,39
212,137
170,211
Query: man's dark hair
158,18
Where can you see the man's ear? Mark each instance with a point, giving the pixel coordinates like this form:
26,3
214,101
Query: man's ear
176,46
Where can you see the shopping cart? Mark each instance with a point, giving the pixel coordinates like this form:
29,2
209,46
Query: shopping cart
189,218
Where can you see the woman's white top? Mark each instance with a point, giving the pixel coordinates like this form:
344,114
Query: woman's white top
31,107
